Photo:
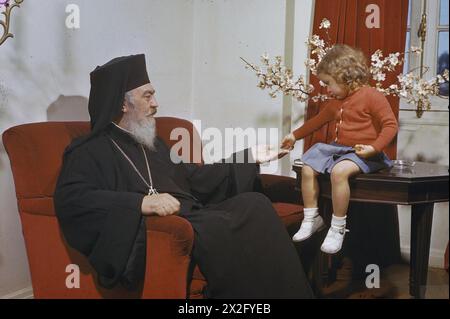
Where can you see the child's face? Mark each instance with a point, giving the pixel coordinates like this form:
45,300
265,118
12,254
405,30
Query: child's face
336,90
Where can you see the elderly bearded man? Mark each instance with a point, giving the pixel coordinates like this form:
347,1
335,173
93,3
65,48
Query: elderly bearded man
121,172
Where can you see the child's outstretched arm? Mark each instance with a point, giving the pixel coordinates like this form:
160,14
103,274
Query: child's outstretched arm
324,116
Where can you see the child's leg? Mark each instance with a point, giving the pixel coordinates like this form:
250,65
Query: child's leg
310,187
340,175
340,190
312,221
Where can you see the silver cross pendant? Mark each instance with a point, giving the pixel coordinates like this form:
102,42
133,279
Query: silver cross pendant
152,191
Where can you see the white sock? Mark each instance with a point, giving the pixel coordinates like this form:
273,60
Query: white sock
338,222
310,213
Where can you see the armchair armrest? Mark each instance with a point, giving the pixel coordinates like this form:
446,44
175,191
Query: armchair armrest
169,245
280,189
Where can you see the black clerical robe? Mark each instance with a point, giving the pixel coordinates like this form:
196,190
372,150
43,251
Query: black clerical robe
240,244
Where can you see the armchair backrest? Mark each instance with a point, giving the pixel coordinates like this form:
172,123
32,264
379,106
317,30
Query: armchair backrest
35,151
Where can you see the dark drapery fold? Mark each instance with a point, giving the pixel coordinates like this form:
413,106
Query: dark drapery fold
374,235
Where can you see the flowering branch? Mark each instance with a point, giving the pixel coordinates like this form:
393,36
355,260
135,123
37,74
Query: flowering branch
415,90
278,78
7,13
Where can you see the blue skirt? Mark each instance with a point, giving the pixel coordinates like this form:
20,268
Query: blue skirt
322,157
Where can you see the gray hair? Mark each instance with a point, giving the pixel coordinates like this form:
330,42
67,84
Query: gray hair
129,98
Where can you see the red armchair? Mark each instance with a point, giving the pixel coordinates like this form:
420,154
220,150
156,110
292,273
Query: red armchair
35,152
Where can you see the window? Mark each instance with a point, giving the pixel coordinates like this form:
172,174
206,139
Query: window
436,51
442,47
406,66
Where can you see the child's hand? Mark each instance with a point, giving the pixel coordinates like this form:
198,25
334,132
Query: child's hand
288,142
364,151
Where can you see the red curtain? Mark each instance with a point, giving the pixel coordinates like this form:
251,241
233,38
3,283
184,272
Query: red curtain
348,26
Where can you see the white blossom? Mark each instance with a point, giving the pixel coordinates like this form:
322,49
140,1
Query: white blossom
377,55
379,77
378,64
316,41
394,87
393,58
325,24
440,79
310,63
403,93
415,50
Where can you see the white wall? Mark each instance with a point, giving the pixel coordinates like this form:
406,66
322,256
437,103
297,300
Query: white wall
224,92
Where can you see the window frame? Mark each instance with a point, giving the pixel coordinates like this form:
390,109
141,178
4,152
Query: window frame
431,45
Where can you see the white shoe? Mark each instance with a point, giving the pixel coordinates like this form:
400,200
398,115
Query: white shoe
333,242
309,226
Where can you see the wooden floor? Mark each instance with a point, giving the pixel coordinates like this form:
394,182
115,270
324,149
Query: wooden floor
394,284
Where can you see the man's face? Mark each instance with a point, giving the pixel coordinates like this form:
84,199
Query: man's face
336,90
143,104
138,110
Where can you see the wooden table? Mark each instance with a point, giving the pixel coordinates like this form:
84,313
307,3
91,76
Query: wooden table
420,186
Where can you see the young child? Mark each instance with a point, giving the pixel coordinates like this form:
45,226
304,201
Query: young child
365,125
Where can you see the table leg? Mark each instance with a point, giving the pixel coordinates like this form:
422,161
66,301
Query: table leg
421,221
320,273
328,272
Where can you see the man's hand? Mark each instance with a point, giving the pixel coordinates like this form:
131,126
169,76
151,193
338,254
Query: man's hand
160,204
364,151
288,142
266,153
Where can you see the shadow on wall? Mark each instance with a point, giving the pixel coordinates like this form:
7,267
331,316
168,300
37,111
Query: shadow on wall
420,156
65,108
68,108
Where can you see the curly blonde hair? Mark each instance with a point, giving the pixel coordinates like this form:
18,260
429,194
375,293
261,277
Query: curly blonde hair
346,65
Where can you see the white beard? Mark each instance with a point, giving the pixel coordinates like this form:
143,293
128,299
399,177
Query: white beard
144,132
